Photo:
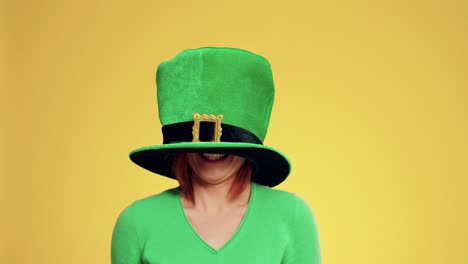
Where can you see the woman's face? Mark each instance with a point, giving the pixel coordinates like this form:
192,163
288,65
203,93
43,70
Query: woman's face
214,168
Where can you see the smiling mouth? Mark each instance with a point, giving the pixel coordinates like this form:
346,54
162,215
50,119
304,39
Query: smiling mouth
213,157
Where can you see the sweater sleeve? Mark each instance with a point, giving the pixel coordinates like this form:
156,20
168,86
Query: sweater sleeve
125,248
303,245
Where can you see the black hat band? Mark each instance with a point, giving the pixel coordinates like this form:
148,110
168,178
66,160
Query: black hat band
182,132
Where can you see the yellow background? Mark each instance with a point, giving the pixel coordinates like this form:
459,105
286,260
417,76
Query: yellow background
371,108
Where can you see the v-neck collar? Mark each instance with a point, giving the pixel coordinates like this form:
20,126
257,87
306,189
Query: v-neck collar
238,230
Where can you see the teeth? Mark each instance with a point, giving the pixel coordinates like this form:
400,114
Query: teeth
211,156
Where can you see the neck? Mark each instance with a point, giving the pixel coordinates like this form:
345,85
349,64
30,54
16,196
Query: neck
214,198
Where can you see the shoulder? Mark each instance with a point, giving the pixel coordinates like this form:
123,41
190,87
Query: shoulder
135,222
278,197
280,202
158,199
150,207
298,223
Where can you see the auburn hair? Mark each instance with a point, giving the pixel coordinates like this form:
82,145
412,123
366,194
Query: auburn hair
183,172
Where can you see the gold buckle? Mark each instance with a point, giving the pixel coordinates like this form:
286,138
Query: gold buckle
197,118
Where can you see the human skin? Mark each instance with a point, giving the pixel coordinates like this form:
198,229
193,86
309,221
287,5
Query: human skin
214,214
210,173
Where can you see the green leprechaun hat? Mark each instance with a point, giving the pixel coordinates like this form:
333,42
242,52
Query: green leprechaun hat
215,100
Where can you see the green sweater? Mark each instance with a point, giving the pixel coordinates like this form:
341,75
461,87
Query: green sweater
278,227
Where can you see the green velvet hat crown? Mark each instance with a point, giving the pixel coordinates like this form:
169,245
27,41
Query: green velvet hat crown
215,100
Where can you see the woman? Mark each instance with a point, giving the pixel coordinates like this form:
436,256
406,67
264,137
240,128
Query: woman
214,107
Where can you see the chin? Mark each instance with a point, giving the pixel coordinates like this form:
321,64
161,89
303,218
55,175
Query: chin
218,178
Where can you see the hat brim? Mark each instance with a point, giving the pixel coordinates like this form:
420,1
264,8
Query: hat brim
271,167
